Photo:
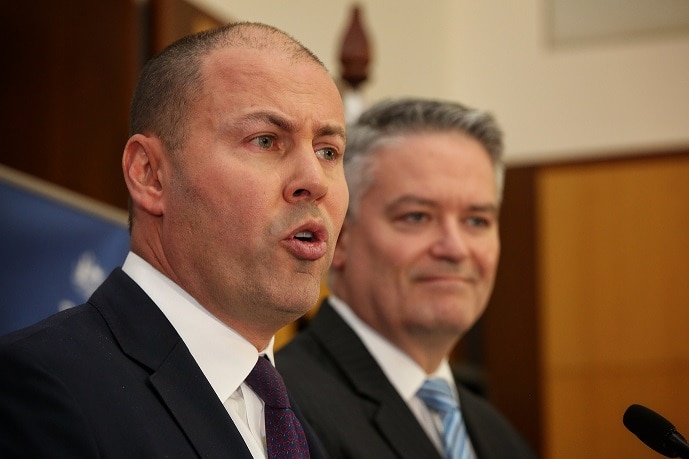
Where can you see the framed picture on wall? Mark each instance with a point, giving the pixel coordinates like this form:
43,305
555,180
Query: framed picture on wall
579,21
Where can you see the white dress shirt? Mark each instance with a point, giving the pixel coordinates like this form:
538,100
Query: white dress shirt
404,374
224,356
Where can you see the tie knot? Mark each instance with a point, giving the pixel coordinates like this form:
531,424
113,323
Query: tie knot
265,380
438,396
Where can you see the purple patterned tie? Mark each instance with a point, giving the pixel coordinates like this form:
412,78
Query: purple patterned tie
284,434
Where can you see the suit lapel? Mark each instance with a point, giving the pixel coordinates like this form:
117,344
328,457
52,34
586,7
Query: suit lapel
145,335
391,415
480,430
316,448
193,403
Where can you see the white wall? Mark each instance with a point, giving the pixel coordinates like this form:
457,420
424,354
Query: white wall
554,102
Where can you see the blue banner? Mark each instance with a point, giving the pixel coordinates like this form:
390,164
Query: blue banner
53,253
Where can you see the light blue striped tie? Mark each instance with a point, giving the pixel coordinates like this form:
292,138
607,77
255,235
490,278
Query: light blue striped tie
438,396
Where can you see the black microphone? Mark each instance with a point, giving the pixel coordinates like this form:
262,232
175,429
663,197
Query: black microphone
655,431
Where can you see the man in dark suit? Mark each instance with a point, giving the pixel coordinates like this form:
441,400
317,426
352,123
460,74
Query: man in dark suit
413,270
237,196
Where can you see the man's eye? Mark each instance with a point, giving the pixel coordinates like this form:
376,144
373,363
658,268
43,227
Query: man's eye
328,154
264,141
479,222
415,217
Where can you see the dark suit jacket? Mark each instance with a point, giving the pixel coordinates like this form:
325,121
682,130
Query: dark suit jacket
111,379
358,414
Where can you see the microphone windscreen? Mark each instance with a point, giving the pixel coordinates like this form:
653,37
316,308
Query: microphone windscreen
651,428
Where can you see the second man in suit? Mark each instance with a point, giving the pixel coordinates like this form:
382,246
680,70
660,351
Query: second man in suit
413,270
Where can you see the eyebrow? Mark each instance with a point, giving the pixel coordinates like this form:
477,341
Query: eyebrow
331,130
287,125
417,200
271,118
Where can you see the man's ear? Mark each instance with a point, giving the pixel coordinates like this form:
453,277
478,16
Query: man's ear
340,256
141,162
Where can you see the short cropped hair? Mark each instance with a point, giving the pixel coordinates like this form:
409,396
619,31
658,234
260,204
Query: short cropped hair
396,118
171,81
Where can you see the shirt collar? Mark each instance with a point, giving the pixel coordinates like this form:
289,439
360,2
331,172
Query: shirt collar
402,372
224,356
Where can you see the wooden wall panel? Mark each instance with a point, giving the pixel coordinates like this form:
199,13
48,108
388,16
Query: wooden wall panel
69,75
509,327
67,86
173,19
614,301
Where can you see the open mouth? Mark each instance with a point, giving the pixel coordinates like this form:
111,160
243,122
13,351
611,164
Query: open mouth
308,244
305,236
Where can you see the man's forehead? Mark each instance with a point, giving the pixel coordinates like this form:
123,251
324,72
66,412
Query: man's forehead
229,61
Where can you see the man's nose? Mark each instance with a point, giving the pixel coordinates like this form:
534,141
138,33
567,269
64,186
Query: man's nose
308,181
451,242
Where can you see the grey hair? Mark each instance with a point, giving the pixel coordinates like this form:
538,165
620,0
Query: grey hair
392,119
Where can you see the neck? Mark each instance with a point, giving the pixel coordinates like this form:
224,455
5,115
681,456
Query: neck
428,353
258,334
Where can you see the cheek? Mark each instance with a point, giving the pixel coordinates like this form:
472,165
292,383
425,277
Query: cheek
237,191
488,256
218,213
391,264
387,253
337,202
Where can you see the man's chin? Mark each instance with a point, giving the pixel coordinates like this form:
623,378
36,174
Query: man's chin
298,306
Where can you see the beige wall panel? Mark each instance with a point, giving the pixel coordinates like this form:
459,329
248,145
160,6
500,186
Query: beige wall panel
614,290
584,409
